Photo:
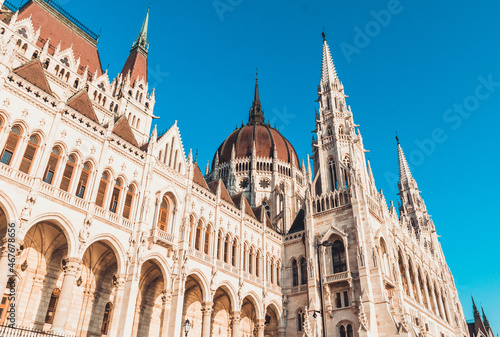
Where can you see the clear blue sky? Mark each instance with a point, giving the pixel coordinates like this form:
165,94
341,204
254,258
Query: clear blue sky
426,58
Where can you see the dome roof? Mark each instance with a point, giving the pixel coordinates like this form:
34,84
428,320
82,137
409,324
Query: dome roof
266,139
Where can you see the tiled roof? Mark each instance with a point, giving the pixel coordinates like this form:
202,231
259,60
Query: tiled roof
33,73
198,177
122,129
82,103
137,64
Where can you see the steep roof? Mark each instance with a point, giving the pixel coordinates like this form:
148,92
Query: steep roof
217,185
298,223
137,64
82,103
33,72
122,129
198,177
60,26
239,201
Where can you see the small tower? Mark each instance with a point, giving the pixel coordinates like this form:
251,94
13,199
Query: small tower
131,87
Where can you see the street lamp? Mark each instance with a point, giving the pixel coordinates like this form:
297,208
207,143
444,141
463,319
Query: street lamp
187,326
322,244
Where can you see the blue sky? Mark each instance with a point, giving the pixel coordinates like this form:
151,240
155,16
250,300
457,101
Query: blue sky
429,70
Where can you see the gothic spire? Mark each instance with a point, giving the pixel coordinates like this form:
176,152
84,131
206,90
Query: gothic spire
328,73
142,39
405,176
256,115
485,320
478,322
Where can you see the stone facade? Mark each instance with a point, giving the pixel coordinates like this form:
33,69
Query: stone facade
118,233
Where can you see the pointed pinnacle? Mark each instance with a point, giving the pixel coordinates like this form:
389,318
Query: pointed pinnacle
404,169
328,72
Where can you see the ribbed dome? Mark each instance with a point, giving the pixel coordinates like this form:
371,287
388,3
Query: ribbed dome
265,139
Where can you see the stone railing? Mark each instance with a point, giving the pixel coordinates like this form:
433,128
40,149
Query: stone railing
7,172
330,200
338,277
163,238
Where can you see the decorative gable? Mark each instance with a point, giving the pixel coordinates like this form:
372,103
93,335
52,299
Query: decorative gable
170,150
33,73
122,129
81,103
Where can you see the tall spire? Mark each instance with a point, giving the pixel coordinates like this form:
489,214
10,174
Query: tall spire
405,176
485,320
142,39
256,114
328,73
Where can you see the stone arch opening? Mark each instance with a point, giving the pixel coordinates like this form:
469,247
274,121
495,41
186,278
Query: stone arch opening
193,304
151,300
249,316
221,314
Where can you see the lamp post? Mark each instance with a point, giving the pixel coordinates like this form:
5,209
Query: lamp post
322,244
187,326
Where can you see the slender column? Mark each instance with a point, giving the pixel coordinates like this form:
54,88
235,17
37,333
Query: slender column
260,327
419,291
117,305
34,298
429,305
436,307
71,267
4,265
167,301
236,317
207,318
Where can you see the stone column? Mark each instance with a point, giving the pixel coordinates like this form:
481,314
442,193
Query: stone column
417,280
34,298
429,304
71,267
207,318
166,301
408,281
236,317
4,265
117,305
434,300
260,327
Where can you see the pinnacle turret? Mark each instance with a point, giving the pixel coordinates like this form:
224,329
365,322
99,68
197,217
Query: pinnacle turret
405,176
256,114
328,72
142,39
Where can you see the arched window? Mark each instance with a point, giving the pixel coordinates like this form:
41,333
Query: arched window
333,174
68,173
84,178
52,165
385,258
338,257
233,255
29,154
227,243
208,233
245,257
138,123
342,331
250,261
24,48
11,145
300,320
329,131
219,246
46,64
163,215
278,268
75,85
349,330
128,202
101,191
191,230
115,197
49,317
106,319
295,273
199,228
258,258
303,271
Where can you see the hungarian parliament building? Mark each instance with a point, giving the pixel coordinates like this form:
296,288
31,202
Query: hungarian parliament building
110,228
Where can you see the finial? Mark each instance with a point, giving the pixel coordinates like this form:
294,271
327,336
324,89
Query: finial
397,138
256,74
196,156
323,34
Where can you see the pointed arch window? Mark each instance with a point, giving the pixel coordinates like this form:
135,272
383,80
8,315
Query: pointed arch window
163,216
29,154
245,257
295,273
342,331
208,234
101,191
219,245
54,298
233,255
227,243
333,174
338,257
128,202
300,320
278,268
199,228
84,178
349,330
52,165
68,173
11,145
258,259
115,197
106,319
250,261
303,271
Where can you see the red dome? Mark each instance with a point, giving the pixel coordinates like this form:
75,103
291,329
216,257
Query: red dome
265,139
